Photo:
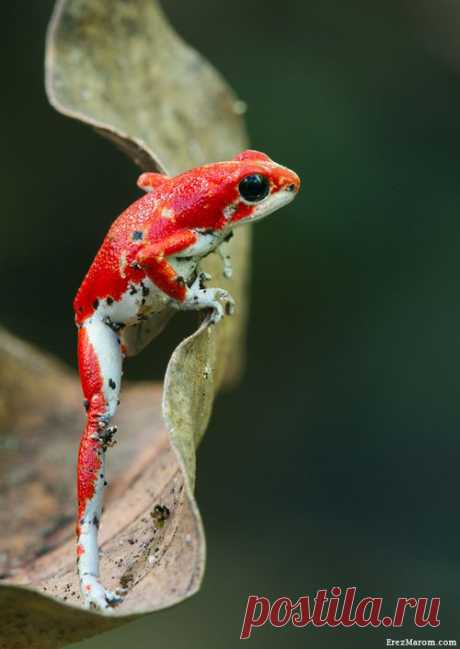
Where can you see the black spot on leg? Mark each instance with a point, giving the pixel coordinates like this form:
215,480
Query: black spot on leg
95,522
95,304
106,439
109,300
132,290
145,290
112,384
229,236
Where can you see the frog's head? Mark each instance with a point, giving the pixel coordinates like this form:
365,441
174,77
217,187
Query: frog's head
222,195
255,186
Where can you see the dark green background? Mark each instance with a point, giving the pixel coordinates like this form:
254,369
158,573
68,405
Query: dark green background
335,461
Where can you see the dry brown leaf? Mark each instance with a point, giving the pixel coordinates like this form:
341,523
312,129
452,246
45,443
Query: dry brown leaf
120,68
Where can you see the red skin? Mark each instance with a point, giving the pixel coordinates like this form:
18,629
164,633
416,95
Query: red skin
196,199
88,458
170,219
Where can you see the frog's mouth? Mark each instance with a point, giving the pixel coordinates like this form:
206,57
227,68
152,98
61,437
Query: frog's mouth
270,204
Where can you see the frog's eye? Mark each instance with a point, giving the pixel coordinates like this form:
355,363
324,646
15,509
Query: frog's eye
254,188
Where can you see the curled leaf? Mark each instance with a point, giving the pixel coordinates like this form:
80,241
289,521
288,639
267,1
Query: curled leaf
120,68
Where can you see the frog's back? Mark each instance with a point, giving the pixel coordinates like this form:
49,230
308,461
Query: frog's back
110,272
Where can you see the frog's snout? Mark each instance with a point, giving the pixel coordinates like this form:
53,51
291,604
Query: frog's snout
293,183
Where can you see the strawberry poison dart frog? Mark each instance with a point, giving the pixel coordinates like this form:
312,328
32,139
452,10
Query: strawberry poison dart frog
147,266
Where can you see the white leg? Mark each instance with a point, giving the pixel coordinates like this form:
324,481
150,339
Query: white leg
100,362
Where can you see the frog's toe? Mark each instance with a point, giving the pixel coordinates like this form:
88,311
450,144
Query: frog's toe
113,599
97,597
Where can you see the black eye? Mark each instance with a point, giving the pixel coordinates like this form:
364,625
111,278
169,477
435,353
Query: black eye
254,188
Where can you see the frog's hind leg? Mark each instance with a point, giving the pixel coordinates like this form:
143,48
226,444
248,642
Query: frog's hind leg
100,364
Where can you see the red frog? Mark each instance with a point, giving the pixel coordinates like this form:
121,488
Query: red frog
147,266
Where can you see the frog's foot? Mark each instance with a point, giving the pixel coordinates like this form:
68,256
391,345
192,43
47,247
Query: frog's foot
95,596
217,299
218,296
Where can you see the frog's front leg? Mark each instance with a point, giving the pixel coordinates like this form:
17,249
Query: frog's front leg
198,297
154,260
100,364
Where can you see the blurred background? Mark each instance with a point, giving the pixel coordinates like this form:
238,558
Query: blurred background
335,462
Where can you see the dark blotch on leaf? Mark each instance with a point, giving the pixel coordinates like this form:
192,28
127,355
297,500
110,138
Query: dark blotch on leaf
159,515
